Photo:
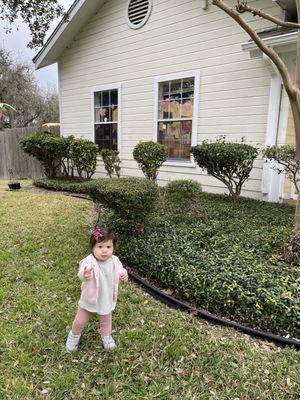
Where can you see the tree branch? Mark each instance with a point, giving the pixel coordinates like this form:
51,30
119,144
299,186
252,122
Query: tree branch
242,6
288,84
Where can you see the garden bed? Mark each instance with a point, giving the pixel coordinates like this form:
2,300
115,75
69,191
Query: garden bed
223,261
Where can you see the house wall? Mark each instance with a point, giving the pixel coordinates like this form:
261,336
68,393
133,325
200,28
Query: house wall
179,36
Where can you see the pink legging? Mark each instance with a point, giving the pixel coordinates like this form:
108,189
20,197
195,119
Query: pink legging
83,317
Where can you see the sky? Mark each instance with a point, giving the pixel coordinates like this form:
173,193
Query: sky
16,42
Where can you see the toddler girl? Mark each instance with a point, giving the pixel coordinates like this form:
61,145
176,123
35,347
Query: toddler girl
100,273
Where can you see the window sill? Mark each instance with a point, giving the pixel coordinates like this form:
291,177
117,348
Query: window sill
186,164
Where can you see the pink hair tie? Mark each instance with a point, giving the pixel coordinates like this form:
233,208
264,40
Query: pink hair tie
97,233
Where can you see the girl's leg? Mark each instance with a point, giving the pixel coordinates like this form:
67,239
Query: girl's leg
105,330
105,324
80,321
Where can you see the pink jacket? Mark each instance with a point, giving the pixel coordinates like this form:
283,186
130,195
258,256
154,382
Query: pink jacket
90,288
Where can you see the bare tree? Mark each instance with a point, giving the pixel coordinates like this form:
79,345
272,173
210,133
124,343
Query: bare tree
19,88
291,84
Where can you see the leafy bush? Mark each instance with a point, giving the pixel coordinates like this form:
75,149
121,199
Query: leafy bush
66,161
131,199
69,153
222,263
231,163
84,155
47,148
150,156
285,156
182,199
111,162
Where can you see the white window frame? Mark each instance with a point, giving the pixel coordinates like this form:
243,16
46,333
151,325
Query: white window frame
170,77
114,86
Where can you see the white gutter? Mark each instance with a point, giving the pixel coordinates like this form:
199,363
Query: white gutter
274,41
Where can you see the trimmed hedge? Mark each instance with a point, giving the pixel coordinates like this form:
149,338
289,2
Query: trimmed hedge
64,185
131,199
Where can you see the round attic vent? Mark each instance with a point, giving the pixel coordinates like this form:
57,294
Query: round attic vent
138,12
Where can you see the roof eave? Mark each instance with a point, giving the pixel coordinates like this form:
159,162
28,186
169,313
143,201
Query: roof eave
283,43
78,14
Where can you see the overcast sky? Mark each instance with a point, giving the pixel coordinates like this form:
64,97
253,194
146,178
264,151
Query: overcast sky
16,42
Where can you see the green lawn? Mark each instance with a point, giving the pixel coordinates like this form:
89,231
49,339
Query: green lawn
162,353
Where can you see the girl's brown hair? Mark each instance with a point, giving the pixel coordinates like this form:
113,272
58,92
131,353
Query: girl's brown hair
101,235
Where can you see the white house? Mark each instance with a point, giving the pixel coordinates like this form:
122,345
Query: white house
173,71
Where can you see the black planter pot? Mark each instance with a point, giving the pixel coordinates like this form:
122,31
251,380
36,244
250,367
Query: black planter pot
14,186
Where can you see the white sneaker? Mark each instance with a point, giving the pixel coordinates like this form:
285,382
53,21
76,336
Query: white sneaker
72,342
108,342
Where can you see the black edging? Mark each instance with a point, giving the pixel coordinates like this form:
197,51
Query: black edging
180,305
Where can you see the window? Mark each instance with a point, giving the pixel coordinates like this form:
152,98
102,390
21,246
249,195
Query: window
106,118
176,114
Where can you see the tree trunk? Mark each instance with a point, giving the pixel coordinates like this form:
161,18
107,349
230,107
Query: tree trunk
295,107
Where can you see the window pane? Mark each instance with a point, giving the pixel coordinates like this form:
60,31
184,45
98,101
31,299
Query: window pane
177,137
187,108
103,114
188,87
106,136
175,109
97,114
113,97
164,91
105,99
114,113
164,109
106,106
97,99
175,89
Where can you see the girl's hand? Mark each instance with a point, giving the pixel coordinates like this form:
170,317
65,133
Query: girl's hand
124,276
87,273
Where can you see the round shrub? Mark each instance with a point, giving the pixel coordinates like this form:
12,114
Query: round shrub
84,156
47,148
150,156
111,162
231,163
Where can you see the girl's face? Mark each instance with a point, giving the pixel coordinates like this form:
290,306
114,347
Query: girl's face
103,250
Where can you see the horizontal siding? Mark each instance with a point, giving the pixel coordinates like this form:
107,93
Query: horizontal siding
179,36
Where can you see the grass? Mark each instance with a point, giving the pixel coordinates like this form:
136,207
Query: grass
162,353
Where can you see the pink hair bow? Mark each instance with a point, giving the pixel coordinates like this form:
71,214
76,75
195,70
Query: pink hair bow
97,233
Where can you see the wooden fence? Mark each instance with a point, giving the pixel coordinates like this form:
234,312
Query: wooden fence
12,157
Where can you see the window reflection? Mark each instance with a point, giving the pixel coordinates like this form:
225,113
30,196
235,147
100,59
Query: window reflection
106,118
175,114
